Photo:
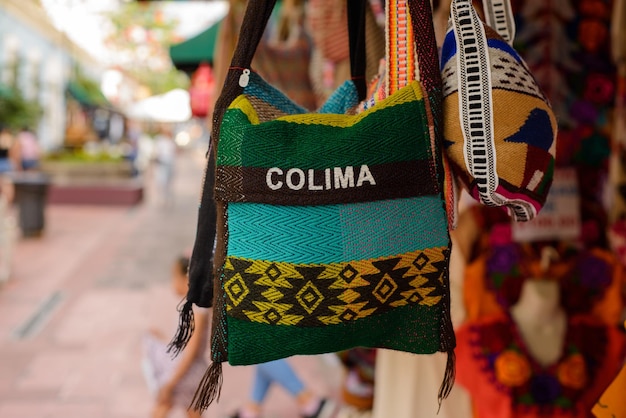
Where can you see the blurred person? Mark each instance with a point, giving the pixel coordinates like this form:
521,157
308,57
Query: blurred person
9,153
30,152
165,158
145,151
130,143
279,371
173,380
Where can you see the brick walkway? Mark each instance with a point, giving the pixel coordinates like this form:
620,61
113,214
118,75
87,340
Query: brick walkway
79,298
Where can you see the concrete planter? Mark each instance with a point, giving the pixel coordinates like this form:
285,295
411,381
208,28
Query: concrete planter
81,171
95,183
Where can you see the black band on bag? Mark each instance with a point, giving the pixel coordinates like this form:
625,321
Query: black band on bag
200,272
201,263
320,188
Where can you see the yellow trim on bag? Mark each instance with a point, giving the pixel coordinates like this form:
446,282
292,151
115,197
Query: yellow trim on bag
410,93
242,103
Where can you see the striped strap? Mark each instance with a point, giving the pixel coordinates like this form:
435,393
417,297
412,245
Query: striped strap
411,47
499,16
476,106
401,60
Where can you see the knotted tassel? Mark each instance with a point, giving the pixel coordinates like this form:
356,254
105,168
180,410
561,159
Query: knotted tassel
448,378
185,329
209,388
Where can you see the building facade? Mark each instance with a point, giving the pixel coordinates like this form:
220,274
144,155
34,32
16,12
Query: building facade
39,59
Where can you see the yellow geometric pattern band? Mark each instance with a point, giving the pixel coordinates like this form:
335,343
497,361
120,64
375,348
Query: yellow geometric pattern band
323,294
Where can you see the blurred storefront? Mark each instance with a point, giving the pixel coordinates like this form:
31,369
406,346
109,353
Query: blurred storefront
39,61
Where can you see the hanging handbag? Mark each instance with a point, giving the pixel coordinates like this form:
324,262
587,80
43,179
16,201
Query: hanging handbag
332,229
499,129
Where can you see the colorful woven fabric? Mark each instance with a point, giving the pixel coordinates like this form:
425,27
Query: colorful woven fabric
397,71
499,128
401,65
332,231
582,84
329,248
505,380
590,280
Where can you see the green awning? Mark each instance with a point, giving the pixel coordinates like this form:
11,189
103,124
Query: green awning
87,94
187,55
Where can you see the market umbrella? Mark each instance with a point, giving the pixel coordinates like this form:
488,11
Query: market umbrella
187,55
170,107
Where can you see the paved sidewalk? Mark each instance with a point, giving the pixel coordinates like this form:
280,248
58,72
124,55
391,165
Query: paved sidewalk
80,296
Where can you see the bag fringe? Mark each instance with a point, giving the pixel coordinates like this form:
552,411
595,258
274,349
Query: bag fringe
448,378
209,388
185,329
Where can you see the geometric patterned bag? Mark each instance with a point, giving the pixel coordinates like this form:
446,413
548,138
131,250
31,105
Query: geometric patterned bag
499,130
332,226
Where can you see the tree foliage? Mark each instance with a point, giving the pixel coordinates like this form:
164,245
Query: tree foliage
17,112
141,34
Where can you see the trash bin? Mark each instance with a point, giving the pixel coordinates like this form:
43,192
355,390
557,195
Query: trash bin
31,190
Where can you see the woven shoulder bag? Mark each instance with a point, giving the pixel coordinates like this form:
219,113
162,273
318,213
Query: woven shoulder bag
332,229
499,130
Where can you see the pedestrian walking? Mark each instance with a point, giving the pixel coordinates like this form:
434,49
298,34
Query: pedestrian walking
30,151
280,372
173,380
9,152
165,158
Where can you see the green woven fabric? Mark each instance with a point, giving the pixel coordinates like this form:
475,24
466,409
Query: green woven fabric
332,227
383,329
320,144
338,233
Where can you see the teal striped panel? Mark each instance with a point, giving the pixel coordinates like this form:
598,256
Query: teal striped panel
257,87
392,227
335,233
340,101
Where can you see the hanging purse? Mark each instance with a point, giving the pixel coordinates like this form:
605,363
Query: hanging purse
332,229
499,128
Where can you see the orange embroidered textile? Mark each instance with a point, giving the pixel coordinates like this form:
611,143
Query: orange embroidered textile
612,404
481,298
504,381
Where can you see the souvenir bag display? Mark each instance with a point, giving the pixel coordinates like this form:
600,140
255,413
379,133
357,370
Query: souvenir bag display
332,229
500,130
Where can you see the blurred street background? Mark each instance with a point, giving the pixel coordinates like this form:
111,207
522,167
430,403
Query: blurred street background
80,297
95,210
105,120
